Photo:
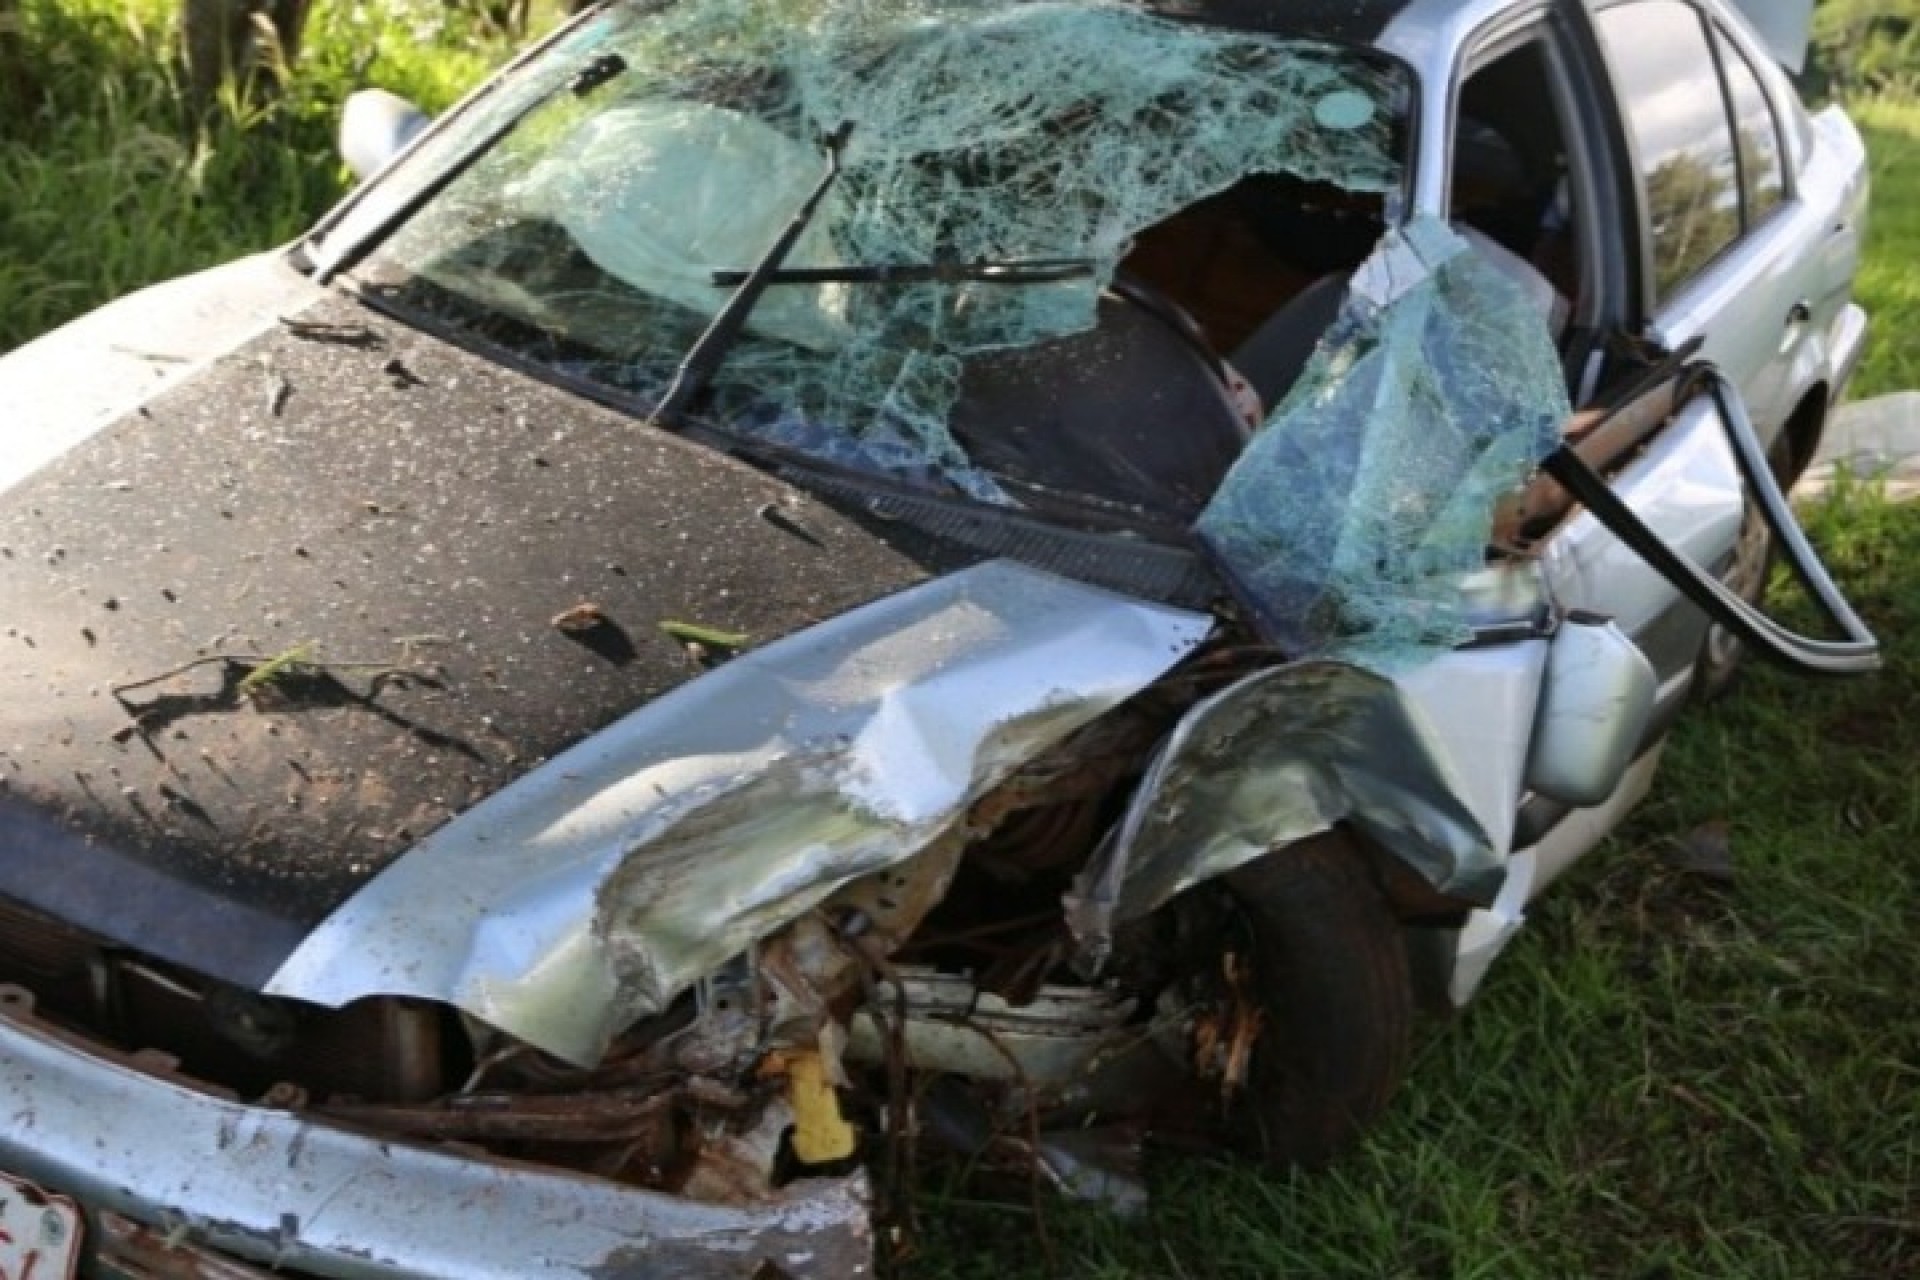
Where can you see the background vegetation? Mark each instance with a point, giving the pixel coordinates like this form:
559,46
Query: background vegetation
112,175
1866,46
1702,1058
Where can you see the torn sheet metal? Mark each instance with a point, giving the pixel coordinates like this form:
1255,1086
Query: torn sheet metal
595,889
1489,929
1281,755
1348,523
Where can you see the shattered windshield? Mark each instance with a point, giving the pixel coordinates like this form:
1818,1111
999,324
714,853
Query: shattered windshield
982,134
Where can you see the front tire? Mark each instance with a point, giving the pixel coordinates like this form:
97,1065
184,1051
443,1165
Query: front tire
1718,663
1333,983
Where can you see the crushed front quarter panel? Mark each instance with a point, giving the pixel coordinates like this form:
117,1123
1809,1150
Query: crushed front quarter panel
598,887
1288,752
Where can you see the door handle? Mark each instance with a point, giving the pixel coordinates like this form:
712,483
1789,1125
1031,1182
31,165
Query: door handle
1797,317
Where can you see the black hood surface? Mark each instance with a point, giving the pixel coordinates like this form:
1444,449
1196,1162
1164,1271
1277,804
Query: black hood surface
406,526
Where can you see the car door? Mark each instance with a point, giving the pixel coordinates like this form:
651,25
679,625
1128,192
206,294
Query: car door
1538,169
1749,240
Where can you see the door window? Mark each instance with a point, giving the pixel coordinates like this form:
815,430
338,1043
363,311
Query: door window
1756,131
1670,96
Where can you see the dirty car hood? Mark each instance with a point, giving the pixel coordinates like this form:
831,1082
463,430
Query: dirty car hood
408,521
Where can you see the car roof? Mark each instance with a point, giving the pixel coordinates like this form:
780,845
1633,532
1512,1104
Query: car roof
1344,21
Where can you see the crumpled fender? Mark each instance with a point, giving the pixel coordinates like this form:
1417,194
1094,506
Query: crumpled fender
594,890
1290,751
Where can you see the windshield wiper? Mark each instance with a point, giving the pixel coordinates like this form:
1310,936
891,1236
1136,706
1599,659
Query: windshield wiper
704,357
1019,271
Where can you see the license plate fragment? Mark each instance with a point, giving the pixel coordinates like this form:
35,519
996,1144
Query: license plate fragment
39,1233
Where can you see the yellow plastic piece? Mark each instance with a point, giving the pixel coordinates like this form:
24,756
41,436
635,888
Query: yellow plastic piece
821,1135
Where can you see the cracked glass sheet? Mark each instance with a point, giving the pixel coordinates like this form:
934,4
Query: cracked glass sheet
598,887
981,132
1282,755
1348,523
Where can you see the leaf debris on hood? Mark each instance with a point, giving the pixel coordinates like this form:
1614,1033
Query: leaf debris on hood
584,616
711,637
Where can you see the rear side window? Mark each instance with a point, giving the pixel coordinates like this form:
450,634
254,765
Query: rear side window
1756,131
1669,91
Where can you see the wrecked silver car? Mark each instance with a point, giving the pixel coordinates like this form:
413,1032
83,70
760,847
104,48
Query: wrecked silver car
795,578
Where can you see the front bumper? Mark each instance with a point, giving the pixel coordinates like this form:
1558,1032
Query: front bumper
283,1190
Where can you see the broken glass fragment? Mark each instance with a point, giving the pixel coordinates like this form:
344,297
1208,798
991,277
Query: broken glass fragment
1346,525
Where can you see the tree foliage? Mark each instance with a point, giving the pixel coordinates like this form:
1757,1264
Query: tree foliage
1866,46
15,82
254,42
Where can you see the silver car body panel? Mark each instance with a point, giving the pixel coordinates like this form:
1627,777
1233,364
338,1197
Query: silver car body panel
596,888
1805,251
279,1188
1744,306
1687,488
1488,930
1580,830
1288,752
79,378
1479,705
1430,35
1848,342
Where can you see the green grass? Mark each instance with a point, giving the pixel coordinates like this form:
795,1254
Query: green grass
1664,1078
1889,284
108,182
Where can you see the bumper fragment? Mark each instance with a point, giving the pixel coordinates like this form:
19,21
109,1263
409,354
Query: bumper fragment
284,1191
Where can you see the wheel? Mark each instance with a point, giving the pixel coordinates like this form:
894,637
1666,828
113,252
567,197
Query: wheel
1718,663
1333,985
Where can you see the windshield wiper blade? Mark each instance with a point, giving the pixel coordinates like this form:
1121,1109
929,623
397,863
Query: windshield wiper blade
704,357
1018,271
